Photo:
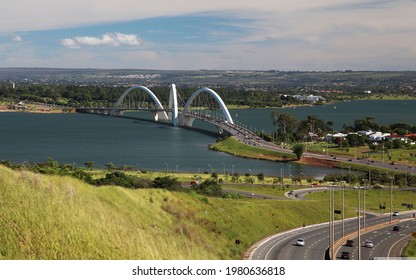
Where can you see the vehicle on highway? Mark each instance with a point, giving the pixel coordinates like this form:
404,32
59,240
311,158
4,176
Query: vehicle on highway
300,242
345,255
349,243
396,213
396,228
369,243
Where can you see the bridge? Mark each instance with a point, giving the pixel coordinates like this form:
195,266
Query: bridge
204,105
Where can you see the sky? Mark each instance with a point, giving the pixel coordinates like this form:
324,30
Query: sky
287,35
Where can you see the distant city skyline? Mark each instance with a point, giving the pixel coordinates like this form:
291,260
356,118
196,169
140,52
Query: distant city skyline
319,35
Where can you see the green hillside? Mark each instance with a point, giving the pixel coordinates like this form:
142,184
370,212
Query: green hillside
53,217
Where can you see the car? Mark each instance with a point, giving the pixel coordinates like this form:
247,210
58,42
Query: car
396,228
345,255
396,213
369,243
349,243
300,242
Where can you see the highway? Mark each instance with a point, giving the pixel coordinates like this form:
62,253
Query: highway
386,242
282,246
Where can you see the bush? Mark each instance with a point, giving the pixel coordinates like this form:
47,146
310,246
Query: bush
121,179
167,182
210,188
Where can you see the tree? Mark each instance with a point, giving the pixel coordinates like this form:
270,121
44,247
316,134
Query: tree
285,124
89,164
298,150
110,165
260,176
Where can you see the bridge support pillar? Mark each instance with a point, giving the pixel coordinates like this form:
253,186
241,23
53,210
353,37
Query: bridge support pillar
173,104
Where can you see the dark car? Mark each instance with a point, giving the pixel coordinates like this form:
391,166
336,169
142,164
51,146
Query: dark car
345,255
349,243
396,228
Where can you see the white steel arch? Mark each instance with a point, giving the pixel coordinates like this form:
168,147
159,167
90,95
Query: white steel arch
227,115
161,114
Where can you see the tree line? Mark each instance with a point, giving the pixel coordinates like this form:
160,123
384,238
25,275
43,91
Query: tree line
289,129
104,95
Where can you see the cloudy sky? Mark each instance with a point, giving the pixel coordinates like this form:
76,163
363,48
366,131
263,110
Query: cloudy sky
215,34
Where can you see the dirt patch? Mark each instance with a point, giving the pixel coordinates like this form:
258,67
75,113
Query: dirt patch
318,162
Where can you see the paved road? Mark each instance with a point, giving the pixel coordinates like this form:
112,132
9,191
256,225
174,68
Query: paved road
283,246
387,243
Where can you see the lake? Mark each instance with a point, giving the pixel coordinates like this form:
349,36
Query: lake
78,138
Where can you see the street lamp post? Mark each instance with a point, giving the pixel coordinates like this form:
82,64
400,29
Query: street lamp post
391,198
359,226
301,179
365,186
252,185
343,208
333,218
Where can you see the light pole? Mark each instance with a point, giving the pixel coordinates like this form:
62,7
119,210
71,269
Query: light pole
349,174
359,226
343,208
331,221
391,198
301,179
252,185
365,186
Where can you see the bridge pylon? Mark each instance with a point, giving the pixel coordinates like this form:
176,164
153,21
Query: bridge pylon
173,105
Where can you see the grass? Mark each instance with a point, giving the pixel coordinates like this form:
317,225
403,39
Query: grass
403,155
410,249
374,198
232,146
52,217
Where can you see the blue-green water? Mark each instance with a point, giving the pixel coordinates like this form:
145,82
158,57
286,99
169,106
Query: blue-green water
78,138
383,112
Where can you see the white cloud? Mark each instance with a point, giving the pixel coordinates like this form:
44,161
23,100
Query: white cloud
108,39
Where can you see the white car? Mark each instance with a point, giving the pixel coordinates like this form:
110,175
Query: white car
369,244
396,213
300,242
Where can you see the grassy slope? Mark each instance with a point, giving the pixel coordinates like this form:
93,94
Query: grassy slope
51,217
